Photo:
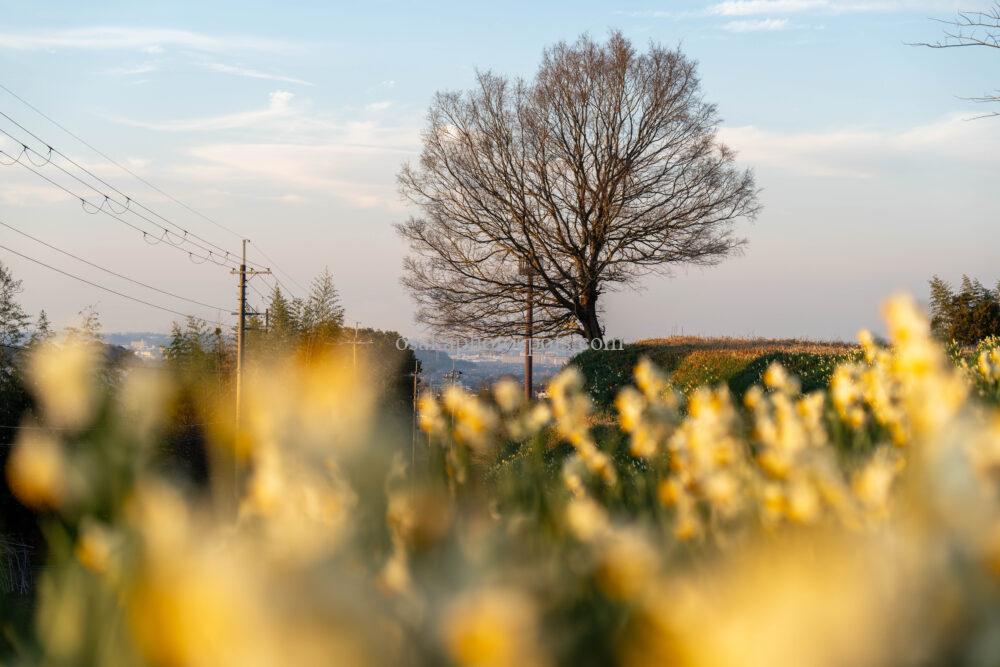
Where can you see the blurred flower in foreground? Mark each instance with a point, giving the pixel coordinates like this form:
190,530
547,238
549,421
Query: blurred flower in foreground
37,472
818,600
64,375
494,627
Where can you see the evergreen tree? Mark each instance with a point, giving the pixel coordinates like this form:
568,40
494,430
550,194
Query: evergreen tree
221,353
966,316
43,330
13,319
175,351
13,397
189,347
323,316
298,309
940,304
283,325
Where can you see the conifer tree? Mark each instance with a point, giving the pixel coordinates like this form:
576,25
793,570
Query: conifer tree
323,316
283,325
13,319
43,330
966,316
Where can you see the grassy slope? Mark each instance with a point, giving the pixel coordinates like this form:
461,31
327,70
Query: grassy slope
693,362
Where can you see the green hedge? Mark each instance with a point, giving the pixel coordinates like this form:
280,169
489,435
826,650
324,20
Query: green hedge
690,366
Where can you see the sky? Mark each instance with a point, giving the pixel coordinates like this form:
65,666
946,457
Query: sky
287,123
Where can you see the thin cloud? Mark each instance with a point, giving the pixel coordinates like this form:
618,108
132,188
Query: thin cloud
279,106
388,84
361,177
134,70
758,7
379,106
762,25
864,153
249,73
144,39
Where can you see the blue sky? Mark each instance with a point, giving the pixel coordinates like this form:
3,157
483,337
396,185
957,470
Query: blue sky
288,122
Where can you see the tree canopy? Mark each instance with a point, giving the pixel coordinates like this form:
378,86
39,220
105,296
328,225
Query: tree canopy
603,168
967,315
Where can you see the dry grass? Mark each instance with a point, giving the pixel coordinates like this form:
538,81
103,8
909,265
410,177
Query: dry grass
757,346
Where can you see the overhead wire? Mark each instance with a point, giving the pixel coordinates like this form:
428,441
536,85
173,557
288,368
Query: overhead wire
129,199
227,257
108,289
117,164
145,233
109,271
27,151
281,270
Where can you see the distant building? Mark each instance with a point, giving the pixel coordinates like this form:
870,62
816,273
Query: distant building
146,351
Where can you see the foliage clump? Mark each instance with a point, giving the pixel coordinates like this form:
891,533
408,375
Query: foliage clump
967,315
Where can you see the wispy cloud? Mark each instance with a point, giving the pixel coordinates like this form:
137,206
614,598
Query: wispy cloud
134,70
758,25
279,106
385,85
136,38
317,169
294,150
756,7
378,106
653,13
759,7
29,194
237,70
865,153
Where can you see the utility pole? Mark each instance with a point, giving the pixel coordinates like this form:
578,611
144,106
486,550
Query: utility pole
354,345
241,328
453,375
524,268
413,427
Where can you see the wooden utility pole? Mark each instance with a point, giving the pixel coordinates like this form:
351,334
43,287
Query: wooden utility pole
354,345
241,329
526,270
413,426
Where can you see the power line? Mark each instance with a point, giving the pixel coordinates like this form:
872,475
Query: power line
129,200
108,289
283,272
100,209
258,292
109,271
26,152
139,178
120,166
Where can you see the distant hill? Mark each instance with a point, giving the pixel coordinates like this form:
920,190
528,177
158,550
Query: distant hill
124,338
737,362
478,374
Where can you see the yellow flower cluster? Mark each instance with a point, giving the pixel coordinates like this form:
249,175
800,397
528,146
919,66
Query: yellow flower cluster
706,464
988,365
911,390
571,409
650,413
493,627
859,525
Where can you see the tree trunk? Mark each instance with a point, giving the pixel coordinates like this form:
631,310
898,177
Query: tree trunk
590,323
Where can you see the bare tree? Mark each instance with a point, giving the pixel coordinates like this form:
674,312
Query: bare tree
602,169
972,28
